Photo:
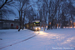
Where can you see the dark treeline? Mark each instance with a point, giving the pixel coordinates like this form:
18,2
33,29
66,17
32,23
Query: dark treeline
55,13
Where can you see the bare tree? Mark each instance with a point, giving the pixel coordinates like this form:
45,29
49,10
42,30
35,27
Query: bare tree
67,8
21,11
5,7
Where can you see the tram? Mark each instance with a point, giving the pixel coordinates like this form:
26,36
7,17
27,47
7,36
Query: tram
35,25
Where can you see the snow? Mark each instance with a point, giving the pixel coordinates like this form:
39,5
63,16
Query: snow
53,39
10,37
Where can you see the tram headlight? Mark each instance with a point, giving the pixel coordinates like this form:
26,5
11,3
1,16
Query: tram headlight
39,28
36,28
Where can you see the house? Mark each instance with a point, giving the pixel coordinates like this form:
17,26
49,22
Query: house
9,24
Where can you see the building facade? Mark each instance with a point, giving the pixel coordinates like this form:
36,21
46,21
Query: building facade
9,24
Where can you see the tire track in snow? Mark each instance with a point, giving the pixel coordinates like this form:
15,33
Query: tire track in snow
19,41
16,39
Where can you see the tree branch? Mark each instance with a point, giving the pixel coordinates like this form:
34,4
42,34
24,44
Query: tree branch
3,4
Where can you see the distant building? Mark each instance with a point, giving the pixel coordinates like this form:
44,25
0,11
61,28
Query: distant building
9,24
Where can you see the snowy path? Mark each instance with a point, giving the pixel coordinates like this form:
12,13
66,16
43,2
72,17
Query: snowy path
12,37
55,39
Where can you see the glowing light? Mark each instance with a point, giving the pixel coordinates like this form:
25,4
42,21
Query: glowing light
37,22
50,23
74,23
49,35
43,33
71,27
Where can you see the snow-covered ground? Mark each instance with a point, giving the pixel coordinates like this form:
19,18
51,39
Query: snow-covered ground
12,36
54,39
